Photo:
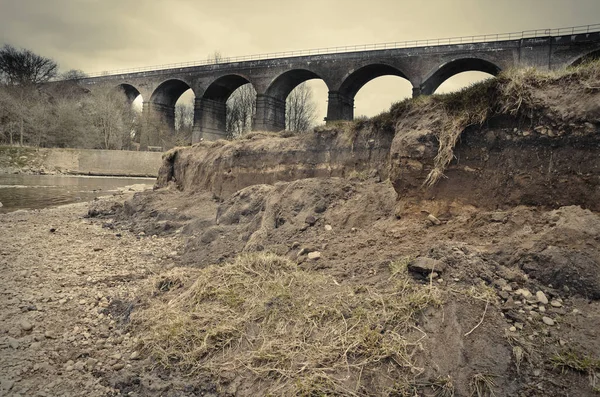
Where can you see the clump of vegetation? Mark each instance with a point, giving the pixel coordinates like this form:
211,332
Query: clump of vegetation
263,318
482,385
511,92
582,363
571,360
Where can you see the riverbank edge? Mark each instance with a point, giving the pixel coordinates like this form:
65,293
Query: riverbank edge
78,162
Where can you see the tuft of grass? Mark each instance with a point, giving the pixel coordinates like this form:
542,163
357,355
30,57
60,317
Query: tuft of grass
571,360
582,363
511,92
400,266
358,175
264,318
482,385
443,387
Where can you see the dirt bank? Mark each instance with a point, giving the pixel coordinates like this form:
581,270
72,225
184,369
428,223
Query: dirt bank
325,265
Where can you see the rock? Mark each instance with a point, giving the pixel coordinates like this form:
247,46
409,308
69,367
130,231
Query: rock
513,329
547,320
311,220
91,363
542,309
50,335
541,297
35,345
118,366
79,365
434,275
576,311
26,325
314,255
135,355
295,245
1,204
555,303
13,343
433,220
498,216
424,265
524,292
328,228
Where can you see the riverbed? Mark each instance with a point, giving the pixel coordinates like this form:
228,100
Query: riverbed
18,191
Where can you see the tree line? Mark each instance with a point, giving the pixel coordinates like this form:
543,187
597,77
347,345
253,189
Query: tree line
67,114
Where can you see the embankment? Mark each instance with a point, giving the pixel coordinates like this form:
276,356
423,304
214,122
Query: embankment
523,138
78,161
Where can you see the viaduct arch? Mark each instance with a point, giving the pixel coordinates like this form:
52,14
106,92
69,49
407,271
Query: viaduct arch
344,73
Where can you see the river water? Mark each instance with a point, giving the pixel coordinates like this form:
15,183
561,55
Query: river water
41,191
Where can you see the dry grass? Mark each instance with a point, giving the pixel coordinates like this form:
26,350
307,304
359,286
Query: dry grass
512,93
264,319
482,385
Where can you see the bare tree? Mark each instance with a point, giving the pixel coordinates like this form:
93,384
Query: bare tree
73,75
112,117
300,109
241,107
216,57
184,116
25,67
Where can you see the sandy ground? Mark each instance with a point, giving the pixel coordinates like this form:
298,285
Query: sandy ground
65,283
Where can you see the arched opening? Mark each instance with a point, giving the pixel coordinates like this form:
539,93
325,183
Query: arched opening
455,67
241,108
221,89
379,94
306,106
168,92
462,80
292,102
226,108
592,56
377,78
159,124
135,100
184,119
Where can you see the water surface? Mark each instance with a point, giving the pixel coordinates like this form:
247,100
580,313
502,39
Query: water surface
41,191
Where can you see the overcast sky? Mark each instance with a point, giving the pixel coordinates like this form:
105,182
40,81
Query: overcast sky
99,35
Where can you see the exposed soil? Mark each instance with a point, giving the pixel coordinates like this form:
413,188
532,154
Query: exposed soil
501,261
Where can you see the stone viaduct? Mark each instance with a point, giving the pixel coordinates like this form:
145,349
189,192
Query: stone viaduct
425,65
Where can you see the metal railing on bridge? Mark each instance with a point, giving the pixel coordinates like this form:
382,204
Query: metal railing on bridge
526,34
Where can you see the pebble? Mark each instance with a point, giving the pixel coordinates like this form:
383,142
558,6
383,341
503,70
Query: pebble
314,255
434,221
524,292
118,366
513,329
547,320
519,325
328,228
576,311
542,309
79,365
541,297
26,325
135,355
13,343
555,303
91,363
50,335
